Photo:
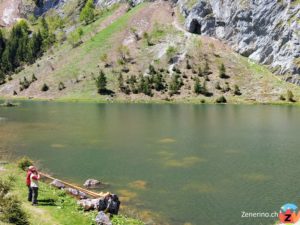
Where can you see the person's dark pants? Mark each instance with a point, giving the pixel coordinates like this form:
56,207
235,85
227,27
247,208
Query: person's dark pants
29,194
35,193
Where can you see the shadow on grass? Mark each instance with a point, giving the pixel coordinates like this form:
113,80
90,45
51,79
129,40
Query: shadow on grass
106,92
47,202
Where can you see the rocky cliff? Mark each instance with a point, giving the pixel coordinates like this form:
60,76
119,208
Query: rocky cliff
267,31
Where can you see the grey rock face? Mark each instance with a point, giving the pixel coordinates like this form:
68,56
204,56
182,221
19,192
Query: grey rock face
267,31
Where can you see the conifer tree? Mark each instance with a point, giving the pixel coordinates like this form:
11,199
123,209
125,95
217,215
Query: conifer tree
101,82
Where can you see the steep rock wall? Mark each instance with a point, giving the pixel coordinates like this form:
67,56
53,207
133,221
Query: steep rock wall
267,31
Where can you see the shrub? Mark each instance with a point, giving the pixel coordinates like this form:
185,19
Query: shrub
217,86
282,98
188,65
88,12
222,72
25,83
171,52
206,70
145,86
147,37
290,96
159,81
11,211
152,70
101,82
237,90
226,87
175,84
45,87
221,99
33,78
197,86
24,163
121,82
61,86
200,73
5,187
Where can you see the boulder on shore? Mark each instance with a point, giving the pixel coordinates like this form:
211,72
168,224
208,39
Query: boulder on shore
92,183
102,219
89,204
58,184
77,193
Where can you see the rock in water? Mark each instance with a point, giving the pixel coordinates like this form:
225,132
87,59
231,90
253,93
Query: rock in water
58,184
89,204
92,183
102,219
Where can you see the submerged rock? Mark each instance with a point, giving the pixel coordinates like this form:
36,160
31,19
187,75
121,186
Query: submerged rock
58,184
92,183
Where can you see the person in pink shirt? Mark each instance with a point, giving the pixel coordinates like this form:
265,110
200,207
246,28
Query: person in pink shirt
29,172
34,185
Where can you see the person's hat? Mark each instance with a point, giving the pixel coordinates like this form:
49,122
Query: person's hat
31,168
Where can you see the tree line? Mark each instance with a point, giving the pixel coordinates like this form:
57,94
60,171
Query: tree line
22,46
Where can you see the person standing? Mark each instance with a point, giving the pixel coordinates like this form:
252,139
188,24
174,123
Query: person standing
29,172
34,184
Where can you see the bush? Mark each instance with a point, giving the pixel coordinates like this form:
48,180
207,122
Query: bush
217,86
221,99
5,187
61,86
87,14
282,98
33,78
290,96
226,88
188,65
24,163
175,84
222,72
197,86
206,70
200,73
45,87
171,52
237,90
11,211
101,82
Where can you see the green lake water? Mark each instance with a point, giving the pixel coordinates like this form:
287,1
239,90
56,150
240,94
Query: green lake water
198,164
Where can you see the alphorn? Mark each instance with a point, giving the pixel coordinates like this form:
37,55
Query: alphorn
88,192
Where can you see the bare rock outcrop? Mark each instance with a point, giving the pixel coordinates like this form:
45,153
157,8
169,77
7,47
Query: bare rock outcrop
266,31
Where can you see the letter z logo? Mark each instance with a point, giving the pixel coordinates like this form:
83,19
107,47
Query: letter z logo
288,218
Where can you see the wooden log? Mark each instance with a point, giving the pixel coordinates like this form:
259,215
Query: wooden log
88,192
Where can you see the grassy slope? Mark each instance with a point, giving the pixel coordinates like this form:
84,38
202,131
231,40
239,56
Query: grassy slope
64,211
69,64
